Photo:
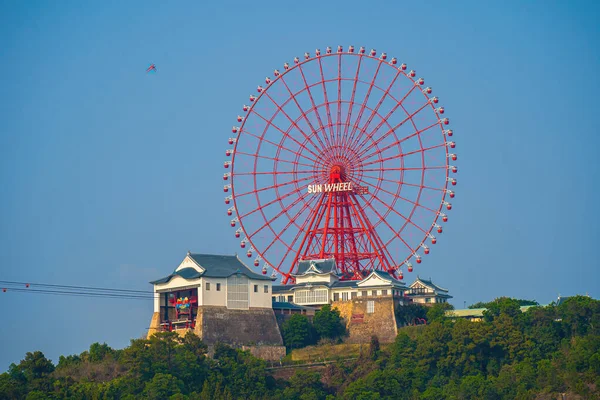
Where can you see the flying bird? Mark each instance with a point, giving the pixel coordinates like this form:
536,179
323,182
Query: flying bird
151,68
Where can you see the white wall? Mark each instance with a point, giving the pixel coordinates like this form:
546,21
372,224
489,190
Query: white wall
315,278
213,297
260,299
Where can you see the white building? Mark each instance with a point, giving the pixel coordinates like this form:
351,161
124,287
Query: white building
203,280
317,283
424,291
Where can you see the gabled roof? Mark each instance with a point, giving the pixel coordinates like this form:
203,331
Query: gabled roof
214,266
382,275
282,305
429,282
325,266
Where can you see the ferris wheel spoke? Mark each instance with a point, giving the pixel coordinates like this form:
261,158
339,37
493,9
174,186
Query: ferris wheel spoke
296,237
407,220
274,144
404,169
397,234
327,108
271,187
423,150
374,240
273,159
361,149
276,173
337,140
363,105
375,110
276,200
384,120
400,141
301,110
280,108
291,220
269,122
403,183
400,197
351,105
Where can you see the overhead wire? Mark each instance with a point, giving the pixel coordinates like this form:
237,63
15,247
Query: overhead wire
77,291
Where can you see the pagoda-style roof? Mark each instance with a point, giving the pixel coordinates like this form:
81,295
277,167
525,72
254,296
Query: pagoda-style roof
325,266
430,284
211,266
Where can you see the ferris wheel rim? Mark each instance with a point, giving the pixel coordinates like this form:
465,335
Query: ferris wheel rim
264,93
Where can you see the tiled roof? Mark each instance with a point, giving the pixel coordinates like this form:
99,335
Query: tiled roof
325,266
338,284
283,305
215,266
429,282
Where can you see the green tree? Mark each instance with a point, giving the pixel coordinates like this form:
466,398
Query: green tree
374,348
305,385
328,323
162,386
407,314
297,332
437,312
502,305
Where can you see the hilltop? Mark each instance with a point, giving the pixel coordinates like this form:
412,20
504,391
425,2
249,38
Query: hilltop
538,354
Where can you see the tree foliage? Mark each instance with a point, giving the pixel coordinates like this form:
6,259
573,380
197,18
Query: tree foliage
298,332
536,354
328,323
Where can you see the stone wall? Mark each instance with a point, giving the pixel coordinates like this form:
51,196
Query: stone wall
362,325
253,327
154,324
269,353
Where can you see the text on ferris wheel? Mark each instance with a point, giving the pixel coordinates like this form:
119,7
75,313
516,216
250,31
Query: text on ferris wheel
331,187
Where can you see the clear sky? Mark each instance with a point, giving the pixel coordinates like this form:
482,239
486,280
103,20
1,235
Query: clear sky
108,175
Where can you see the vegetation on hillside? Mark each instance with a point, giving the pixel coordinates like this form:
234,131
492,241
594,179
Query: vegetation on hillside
521,302
510,355
299,332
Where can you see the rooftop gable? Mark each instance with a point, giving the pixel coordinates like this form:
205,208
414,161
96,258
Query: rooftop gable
195,266
378,278
428,283
323,266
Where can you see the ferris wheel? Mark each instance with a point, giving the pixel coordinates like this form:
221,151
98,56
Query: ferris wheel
344,154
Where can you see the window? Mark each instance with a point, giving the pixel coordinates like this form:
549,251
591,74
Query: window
274,298
384,292
336,297
354,294
374,293
207,285
218,287
281,298
365,293
428,300
255,288
345,296
237,292
370,307
317,296
290,298
266,288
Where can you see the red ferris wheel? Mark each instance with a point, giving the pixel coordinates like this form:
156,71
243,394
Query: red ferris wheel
343,154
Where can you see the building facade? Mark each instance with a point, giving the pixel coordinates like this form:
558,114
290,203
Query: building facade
222,301
368,306
424,291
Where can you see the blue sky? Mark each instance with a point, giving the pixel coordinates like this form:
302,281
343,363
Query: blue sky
108,175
